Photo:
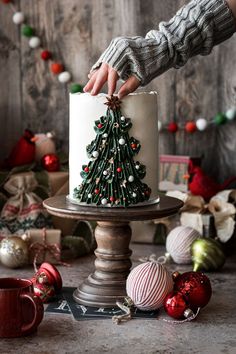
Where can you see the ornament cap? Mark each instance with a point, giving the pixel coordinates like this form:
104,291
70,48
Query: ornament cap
52,274
188,313
175,275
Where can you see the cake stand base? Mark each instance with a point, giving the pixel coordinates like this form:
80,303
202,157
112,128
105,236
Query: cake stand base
107,283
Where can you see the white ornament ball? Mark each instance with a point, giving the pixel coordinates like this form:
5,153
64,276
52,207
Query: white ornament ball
105,135
178,243
131,178
105,173
122,141
148,284
201,124
95,154
18,18
34,42
122,118
64,77
13,252
134,195
159,126
230,113
104,201
89,195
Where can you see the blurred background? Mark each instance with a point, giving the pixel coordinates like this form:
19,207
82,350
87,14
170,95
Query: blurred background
76,32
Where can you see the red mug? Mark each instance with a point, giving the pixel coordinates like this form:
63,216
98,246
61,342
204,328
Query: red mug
20,310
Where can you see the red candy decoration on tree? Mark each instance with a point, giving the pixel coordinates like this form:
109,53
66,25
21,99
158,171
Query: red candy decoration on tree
190,127
100,125
86,169
46,55
172,127
119,169
50,162
56,68
195,287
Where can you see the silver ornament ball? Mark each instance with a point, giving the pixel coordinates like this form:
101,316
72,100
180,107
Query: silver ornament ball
13,252
131,178
95,154
122,141
104,201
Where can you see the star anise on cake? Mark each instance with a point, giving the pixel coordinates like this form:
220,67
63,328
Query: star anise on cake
113,102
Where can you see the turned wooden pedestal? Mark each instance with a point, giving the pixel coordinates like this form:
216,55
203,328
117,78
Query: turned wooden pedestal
113,234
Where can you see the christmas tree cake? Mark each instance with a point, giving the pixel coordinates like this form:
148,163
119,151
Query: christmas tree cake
113,150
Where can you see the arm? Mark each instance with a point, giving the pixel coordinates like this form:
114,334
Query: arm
195,29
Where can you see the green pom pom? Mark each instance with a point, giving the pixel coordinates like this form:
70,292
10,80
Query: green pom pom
76,88
27,31
220,119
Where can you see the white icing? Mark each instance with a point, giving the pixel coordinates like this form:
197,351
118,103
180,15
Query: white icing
141,107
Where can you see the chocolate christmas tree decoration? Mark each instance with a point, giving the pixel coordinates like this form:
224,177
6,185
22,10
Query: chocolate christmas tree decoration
112,177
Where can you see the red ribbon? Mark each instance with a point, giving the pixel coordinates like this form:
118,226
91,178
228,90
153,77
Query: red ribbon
38,248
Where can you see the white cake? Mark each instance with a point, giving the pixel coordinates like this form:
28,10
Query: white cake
141,108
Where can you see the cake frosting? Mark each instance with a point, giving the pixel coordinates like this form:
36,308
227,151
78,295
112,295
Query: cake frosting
86,114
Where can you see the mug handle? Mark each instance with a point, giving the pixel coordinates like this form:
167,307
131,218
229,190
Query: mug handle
38,312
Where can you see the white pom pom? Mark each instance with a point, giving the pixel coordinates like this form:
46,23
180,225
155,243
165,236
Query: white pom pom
34,42
64,77
230,113
122,141
148,284
178,243
159,126
18,18
201,124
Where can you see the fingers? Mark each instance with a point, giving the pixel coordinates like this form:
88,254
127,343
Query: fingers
129,86
111,81
88,87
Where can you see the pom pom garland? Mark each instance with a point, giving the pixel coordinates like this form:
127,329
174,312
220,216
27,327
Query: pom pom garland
178,243
148,284
18,18
201,124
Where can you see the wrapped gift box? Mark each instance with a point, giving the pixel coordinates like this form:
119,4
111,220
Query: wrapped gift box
44,245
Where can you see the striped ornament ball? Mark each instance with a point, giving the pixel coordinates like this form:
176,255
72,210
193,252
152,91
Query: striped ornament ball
148,284
178,244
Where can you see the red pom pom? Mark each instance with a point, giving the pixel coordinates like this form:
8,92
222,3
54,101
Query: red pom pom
6,1
56,68
196,288
119,169
50,162
175,304
46,55
190,127
172,127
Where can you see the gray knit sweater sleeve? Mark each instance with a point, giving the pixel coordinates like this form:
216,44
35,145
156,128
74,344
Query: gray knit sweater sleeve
195,29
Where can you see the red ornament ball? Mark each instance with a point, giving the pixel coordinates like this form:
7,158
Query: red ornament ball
46,55
172,127
175,304
119,169
96,191
100,125
133,146
196,288
56,68
112,199
86,169
50,162
190,127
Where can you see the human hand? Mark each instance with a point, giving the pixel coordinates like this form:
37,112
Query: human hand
107,74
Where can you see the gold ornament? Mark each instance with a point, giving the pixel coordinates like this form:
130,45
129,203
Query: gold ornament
13,252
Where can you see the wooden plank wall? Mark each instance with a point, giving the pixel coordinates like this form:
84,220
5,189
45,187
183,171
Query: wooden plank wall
77,31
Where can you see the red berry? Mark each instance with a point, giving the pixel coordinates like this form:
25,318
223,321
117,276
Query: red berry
190,127
133,146
96,191
112,199
99,125
86,169
119,169
45,55
172,127
56,68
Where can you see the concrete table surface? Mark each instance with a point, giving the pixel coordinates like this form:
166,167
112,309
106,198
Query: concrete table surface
213,332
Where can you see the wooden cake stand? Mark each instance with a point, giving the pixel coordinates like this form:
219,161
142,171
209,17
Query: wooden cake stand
113,234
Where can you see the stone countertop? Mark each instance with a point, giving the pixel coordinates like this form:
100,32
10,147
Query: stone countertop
214,330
